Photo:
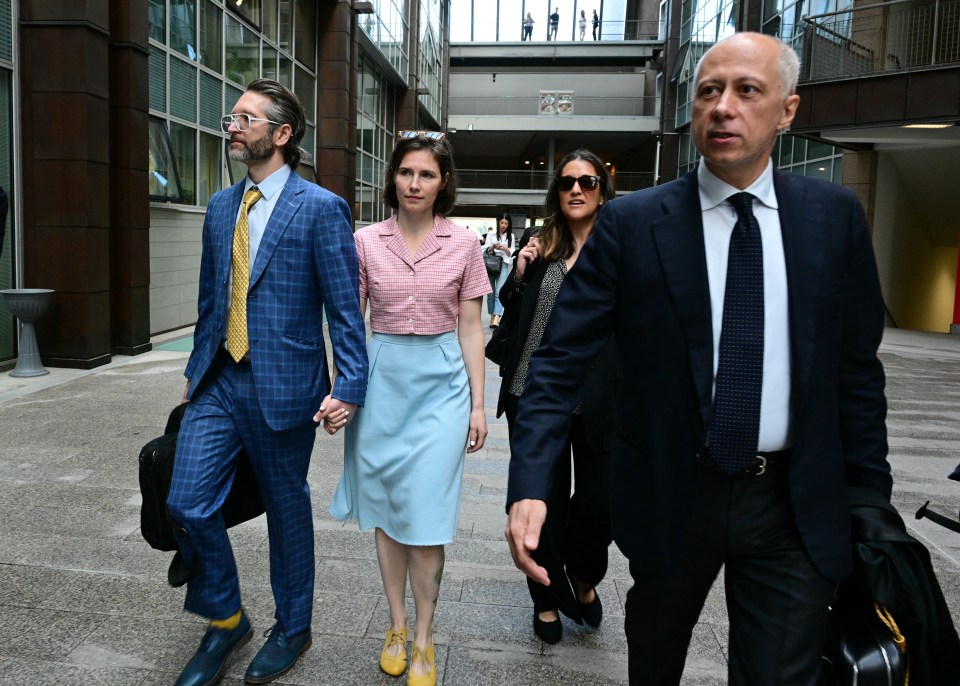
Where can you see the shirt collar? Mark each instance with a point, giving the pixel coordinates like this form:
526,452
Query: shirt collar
271,185
441,227
713,191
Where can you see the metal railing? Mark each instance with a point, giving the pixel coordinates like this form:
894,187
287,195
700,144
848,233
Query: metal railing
487,32
576,105
535,180
885,37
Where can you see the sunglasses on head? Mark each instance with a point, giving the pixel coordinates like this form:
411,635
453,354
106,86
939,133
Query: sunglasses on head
587,182
431,135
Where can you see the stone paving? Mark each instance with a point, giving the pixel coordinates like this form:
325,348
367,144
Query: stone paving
84,600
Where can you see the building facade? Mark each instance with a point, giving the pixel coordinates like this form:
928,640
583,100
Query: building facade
112,144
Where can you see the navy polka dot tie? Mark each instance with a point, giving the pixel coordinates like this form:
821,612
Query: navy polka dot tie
736,404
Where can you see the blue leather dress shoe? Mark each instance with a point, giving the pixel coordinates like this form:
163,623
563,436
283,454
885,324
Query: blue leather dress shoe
277,656
207,664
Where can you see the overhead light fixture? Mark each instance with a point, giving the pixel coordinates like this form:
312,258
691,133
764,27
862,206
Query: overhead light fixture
526,161
927,126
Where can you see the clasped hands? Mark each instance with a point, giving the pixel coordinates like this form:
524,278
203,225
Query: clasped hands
335,414
524,524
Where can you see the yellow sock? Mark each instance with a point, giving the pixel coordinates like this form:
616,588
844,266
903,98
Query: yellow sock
229,623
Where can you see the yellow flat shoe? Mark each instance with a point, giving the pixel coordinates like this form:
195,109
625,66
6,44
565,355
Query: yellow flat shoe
430,677
394,665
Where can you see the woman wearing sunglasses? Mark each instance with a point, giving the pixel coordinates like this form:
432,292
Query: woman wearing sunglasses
424,281
575,537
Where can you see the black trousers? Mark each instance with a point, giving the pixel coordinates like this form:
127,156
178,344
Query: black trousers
576,536
777,601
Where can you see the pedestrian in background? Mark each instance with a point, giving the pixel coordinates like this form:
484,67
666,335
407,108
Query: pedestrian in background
527,27
499,243
278,254
748,310
583,23
576,535
596,24
554,24
423,279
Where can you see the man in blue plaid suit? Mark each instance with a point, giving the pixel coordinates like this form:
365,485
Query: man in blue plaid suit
259,386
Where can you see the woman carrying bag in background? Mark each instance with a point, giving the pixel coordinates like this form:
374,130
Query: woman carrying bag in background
499,244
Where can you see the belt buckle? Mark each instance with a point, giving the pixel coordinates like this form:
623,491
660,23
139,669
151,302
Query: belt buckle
760,465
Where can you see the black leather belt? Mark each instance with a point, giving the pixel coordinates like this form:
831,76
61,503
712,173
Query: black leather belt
764,462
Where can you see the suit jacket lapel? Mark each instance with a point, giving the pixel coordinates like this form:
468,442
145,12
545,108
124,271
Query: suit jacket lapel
801,222
228,220
287,205
678,236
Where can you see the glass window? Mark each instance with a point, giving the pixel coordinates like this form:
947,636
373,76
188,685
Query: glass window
285,72
210,178
163,178
285,26
304,84
817,149
183,27
306,28
309,145
211,101
158,79
211,34
6,31
157,14
269,68
269,27
184,140
183,89
249,9
820,170
243,52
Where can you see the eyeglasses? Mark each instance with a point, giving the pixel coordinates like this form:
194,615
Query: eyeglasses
587,183
241,121
432,135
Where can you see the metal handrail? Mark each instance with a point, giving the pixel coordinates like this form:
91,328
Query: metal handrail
887,38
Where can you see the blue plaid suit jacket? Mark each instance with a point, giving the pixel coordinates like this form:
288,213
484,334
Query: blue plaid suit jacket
307,261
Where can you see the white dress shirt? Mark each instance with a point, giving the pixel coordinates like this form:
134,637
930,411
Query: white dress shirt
719,218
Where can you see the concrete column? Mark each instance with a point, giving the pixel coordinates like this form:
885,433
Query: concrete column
129,51
65,100
860,176
336,100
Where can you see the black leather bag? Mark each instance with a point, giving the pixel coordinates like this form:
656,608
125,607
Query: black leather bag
156,474
864,646
493,262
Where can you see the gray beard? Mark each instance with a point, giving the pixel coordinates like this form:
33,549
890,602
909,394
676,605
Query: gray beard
258,150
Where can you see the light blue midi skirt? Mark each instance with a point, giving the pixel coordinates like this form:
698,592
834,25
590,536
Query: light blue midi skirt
404,451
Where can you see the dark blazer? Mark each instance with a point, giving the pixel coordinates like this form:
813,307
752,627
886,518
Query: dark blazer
306,266
643,276
599,387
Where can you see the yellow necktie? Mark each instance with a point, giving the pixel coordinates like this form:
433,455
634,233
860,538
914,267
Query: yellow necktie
237,342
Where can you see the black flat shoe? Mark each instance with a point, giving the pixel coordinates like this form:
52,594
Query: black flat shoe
592,612
549,632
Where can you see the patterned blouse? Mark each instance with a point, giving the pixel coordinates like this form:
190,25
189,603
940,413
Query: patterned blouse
552,280
419,294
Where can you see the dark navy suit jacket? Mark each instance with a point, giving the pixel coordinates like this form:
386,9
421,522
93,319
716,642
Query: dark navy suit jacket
643,276
307,262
